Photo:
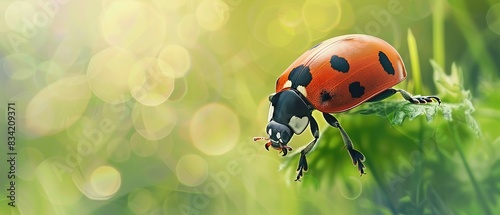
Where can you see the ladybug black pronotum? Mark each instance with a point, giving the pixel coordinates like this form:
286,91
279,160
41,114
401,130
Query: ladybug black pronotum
333,76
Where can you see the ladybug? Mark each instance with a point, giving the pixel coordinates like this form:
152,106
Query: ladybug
333,76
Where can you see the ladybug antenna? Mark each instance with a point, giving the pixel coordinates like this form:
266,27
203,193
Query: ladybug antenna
263,138
260,138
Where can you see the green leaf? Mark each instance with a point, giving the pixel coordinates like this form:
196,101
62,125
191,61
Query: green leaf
456,101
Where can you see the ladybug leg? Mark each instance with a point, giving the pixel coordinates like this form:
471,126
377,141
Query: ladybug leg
357,157
406,95
418,99
303,166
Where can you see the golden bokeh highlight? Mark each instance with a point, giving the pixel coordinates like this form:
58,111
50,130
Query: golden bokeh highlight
105,181
108,74
191,170
178,58
141,201
212,14
18,66
321,15
142,146
151,81
56,183
154,122
133,25
214,129
57,106
17,14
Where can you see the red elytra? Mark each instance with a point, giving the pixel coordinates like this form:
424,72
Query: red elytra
328,91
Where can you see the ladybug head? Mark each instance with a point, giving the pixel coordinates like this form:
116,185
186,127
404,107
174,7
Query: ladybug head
279,136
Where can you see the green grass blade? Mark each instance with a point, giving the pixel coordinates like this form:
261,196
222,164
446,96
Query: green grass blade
438,33
415,64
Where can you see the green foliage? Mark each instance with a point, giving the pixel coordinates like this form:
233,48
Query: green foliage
456,106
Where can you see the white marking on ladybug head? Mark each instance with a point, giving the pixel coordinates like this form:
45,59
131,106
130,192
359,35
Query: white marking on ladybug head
271,112
298,124
302,90
278,135
270,132
287,84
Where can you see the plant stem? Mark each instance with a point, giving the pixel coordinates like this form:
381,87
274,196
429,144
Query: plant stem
480,196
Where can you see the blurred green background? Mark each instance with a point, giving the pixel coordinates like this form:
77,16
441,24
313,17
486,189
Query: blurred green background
149,107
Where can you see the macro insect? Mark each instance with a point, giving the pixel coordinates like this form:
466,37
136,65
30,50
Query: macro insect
333,76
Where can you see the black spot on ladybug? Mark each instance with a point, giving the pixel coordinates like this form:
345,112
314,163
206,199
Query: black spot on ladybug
325,96
386,63
300,76
356,89
315,45
339,63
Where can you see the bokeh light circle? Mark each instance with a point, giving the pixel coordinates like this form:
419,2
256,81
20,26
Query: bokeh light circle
18,66
108,74
59,189
178,58
212,14
57,106
214,129
17,14
493,18
133,25
105,180
142,146
322,15
154,122
191,170
140,201
151,81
